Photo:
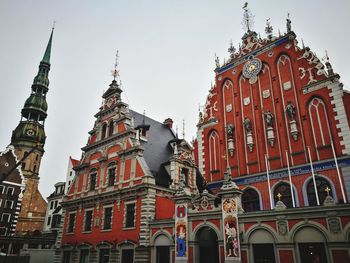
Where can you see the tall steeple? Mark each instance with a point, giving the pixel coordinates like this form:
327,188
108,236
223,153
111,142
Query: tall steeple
29,137
30,131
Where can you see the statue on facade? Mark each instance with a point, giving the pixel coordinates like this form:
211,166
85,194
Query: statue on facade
289,24
290,109
247,125
269,118
230,130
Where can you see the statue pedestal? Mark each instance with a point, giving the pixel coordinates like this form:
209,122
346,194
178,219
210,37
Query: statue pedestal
250,141
293,129
270,136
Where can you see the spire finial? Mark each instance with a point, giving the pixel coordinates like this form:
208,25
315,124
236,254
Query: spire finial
247,18
232,50
53,25
47,54
144,117
115,72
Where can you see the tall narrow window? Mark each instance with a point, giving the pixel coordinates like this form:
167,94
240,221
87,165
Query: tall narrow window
250,200
103,132
92,181
111,174
110,129
10,190
88,220
49,220
321,185
71,223
184,173
2,188
130,215
214,151
107,219
66,257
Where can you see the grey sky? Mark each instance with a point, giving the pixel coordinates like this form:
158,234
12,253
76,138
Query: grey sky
166,58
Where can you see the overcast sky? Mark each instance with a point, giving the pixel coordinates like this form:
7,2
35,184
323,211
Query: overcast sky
166,53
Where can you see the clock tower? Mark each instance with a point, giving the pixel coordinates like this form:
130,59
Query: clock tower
29,137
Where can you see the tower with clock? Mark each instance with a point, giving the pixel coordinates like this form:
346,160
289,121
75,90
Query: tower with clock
29,137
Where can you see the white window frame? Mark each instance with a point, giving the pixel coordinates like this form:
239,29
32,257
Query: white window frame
125,214
103,217
11,206
2,217
8,188
92,220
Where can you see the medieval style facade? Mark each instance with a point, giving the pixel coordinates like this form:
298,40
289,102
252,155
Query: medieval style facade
268,179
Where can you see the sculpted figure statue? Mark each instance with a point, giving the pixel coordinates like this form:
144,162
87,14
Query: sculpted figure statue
247,125
290,109
269,118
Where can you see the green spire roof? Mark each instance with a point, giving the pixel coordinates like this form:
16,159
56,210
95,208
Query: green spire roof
47,54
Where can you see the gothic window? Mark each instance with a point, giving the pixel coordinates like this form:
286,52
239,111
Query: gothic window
111,174
107,218
104,255
130,215
71,223
214,151
92,181
88,220
104,130
321,185
250,200
282,192
110,128
319,123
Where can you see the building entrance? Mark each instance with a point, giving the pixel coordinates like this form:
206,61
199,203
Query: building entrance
264,253
127,256
312,252
208,251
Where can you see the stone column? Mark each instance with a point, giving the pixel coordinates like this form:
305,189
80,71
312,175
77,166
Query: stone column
231,205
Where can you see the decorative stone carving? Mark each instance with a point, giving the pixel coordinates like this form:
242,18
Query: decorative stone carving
282,227
230,138
334,225
290,110
249,134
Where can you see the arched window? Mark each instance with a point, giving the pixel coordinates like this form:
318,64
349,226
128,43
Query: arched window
282,192
111,173
92,179
104,130
321,185
214,151
250,200
110,128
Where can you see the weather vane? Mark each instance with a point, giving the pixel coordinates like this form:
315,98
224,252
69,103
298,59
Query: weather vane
247,18
115,72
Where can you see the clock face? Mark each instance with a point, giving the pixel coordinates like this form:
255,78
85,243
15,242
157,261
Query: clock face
251,70
30,132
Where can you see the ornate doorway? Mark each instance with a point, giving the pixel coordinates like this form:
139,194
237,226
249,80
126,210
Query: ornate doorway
208,249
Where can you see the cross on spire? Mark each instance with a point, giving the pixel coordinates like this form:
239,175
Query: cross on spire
279,196
327,190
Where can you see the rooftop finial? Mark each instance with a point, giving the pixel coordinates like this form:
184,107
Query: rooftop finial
115,72
268,28
53,25
217,61
232,50
289,24
247,18
328,65
47,53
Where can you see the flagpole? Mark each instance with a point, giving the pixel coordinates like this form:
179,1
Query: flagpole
268,181
313,176
290,180
338,172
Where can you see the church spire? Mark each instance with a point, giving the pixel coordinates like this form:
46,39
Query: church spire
47,54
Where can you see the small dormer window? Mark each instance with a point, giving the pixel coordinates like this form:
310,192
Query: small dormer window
103,132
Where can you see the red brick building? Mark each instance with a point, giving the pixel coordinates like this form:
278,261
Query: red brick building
273,176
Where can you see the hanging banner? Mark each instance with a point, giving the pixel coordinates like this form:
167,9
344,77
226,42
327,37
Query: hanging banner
181,244
230,227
